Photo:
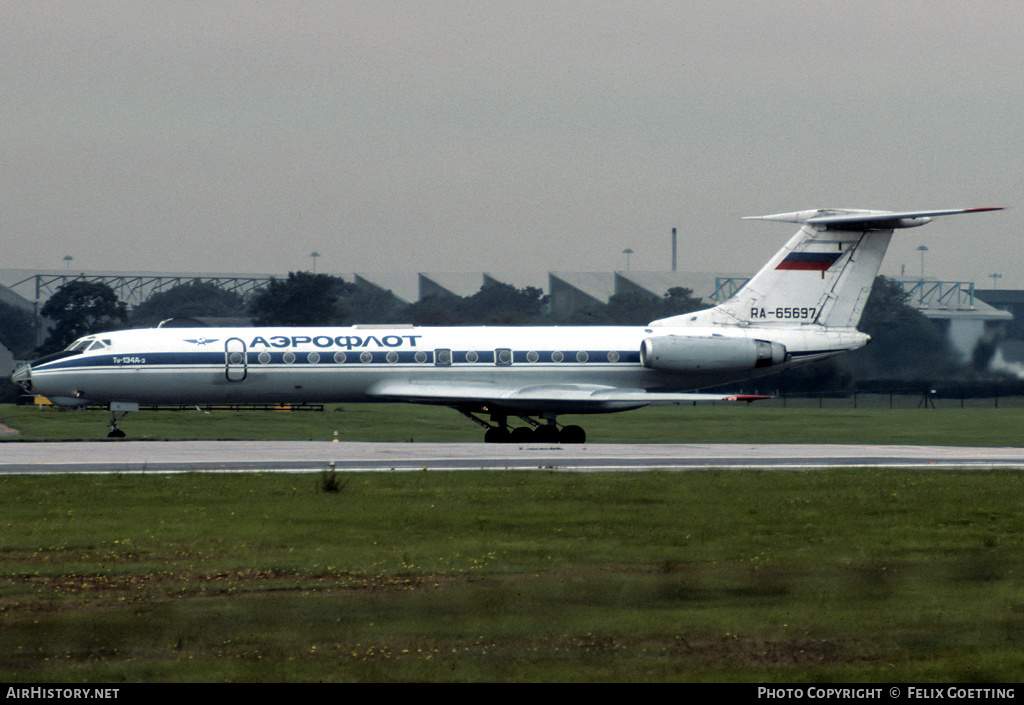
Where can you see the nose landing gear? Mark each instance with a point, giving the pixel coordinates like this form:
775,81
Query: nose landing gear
115,432
123,408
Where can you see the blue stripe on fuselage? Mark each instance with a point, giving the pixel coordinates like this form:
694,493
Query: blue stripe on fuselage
459,357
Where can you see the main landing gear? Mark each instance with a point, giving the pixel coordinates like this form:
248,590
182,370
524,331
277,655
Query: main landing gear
549,431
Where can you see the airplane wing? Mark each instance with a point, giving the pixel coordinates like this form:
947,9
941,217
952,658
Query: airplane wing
549,396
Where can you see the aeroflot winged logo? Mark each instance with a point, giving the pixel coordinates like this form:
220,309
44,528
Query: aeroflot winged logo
201,341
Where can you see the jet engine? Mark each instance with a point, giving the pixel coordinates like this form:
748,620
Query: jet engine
674,353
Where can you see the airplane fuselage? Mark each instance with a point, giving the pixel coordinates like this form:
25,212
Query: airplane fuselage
802,305
166,366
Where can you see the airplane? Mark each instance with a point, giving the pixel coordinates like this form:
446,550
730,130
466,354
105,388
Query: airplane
802,306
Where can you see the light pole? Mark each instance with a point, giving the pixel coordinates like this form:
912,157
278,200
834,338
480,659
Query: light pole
627,252
995,284
67,261
314,255
922,249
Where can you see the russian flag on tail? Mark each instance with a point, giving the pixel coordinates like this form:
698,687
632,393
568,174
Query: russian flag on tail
809,261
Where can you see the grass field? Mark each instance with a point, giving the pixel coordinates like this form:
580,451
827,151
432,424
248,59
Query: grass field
776,421
738,576
837,576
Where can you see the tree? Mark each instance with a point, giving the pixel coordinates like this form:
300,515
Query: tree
679,300
493,304
368,304
194,299
17,330
79,308
435,311
503,304
904,343
637,308
303,299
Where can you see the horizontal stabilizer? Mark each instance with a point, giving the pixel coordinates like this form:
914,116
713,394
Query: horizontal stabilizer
840,219
822,276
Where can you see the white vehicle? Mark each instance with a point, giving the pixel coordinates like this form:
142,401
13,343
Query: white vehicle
803,305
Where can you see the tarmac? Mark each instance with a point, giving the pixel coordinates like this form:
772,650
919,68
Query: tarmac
127,456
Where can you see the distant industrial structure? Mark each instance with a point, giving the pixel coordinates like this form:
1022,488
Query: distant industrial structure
133,288
569,290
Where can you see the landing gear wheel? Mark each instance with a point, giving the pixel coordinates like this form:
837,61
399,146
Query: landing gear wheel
496,434
573,434
522,434
546,434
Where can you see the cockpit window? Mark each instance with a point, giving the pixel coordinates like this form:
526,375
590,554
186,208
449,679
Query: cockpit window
81,344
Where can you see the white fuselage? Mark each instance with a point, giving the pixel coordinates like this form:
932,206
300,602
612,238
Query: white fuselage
803,305
166,366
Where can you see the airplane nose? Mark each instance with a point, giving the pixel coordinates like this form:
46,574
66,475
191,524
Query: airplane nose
23,377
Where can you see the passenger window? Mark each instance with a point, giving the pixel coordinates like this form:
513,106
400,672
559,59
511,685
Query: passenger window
503,356
442,357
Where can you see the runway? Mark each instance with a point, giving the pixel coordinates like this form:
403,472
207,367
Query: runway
310,456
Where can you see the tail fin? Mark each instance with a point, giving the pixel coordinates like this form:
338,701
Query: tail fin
824,273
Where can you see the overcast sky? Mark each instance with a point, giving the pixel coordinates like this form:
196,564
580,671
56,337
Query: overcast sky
444,136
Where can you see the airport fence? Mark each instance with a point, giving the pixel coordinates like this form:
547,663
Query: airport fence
862,400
